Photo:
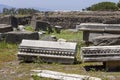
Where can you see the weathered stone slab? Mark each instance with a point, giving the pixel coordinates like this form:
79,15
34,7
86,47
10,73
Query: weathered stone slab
106,40
109,55
92,30
98,27
9,20
62,76
5,28
18,36
100,53
40,25
47,51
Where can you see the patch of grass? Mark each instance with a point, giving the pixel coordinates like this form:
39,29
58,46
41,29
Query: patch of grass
69,35
4,45
29,28
35,77
7,52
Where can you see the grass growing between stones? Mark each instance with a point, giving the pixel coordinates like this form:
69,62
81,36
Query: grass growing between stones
29,28
69,35
12,69
7,52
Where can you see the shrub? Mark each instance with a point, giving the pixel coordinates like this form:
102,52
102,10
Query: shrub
103,6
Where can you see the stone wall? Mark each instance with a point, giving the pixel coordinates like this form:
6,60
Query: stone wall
9,20
70,19
15,21
24,20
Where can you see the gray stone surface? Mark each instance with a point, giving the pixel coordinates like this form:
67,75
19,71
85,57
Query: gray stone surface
5,28
98,27
92,30
18,36
49,44
21,28
100,53
62,76
40,25
47,51
49,38
9,20
106,40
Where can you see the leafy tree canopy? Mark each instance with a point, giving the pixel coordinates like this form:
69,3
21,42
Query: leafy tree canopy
103,6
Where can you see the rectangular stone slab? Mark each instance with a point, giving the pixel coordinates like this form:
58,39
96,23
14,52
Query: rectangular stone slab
100,53
48,44
5,28
47,51
92,30
98,27
62,76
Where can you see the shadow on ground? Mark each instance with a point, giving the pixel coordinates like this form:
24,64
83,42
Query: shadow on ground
95,68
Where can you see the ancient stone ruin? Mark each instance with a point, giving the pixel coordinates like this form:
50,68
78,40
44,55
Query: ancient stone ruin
9,20
18,36
93,30
47,51
110,55
5,28
40,25
106,39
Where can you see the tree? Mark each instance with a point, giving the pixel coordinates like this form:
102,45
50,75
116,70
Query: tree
103,6
21,11
118,4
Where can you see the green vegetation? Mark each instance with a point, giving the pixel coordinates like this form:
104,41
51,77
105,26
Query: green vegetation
118,4
69,36
29,28
35,77
103,6
7,52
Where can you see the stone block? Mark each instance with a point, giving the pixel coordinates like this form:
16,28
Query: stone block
18,36
47,51
5,28
106,40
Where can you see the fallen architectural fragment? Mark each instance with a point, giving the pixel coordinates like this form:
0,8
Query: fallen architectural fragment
92,30
5,28
47,51
108,54
18,36
62,76
106,40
